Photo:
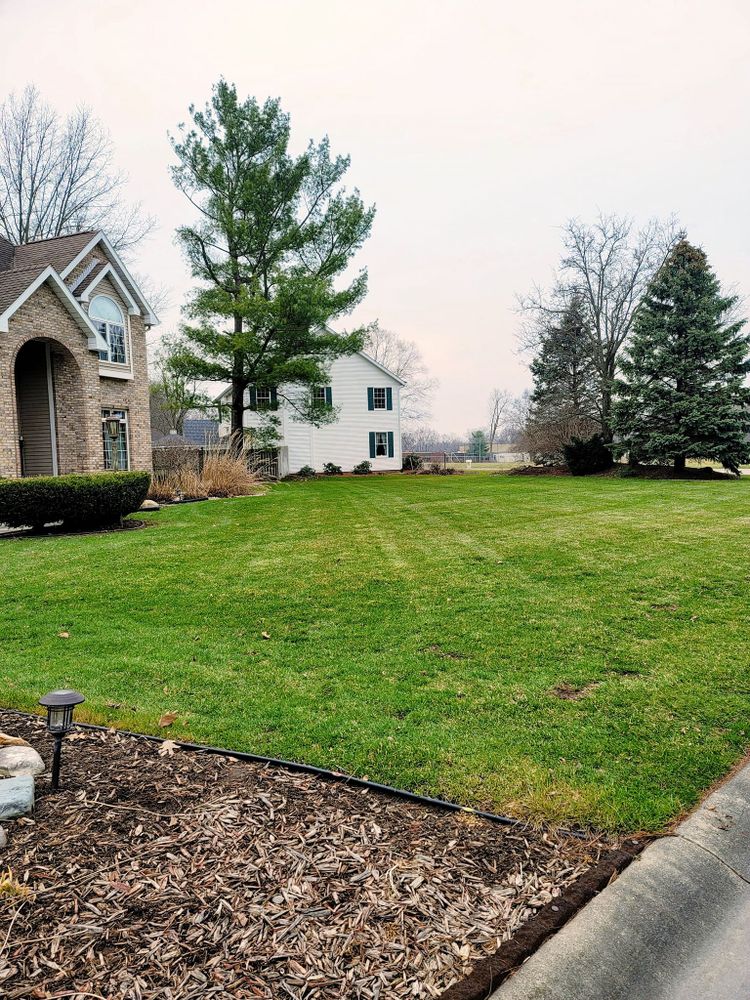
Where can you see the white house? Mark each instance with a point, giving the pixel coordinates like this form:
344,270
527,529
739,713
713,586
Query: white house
367,399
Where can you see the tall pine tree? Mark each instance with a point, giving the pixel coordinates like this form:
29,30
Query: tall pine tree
275,234
565,376
683,392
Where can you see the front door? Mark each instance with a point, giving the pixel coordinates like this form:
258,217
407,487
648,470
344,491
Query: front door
36,418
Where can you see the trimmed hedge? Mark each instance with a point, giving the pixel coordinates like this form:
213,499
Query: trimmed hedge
79,501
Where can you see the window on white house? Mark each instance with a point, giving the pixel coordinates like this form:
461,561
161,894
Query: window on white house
381,444
262,396
110,322
322,394
379,398
116,454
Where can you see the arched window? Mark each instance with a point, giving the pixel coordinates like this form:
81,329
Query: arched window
108,319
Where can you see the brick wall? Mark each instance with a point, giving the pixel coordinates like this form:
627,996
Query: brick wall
80,391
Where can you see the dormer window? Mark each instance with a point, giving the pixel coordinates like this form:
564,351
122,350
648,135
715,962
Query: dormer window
110,322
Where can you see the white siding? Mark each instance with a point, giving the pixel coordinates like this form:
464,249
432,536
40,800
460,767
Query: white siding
345,442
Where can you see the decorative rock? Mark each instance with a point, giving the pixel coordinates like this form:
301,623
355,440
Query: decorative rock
12,741
20,760
3,838
16,797
150,505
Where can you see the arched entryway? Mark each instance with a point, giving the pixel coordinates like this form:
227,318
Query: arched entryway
48,406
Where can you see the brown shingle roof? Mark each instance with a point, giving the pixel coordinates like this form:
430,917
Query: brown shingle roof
15,283
58,251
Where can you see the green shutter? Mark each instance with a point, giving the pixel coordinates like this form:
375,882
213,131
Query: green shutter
274,399
329,396
389,399
390,440
253,397
370,399
372,444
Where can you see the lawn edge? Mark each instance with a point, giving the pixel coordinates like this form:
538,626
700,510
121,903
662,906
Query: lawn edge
491,972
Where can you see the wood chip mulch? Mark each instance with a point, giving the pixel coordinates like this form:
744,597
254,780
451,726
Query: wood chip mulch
163,873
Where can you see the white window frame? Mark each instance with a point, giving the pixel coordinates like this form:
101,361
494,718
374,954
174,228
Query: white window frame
125,425
384,444
265,393
104,327
319,394
375,404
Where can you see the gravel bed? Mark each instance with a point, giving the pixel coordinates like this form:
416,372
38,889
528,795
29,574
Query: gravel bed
163,874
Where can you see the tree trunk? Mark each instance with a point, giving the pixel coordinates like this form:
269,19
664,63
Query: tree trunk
679,463
237,406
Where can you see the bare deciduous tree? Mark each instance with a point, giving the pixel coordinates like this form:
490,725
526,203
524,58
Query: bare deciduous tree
606,266
501,402
173,395
421,438
404,359
57,176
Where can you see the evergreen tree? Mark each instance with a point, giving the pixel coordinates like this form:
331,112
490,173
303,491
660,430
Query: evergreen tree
565,376
479,447
275,235
683,394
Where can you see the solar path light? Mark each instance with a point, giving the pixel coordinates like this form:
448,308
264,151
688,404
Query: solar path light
59,705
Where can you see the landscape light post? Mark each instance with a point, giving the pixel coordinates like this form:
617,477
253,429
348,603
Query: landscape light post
59,705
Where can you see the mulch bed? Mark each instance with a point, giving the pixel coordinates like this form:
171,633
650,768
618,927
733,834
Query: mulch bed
162,873
539,470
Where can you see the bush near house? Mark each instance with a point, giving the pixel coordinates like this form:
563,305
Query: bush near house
79,501
363,469
331,469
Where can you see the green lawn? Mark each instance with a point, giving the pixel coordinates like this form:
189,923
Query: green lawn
418,628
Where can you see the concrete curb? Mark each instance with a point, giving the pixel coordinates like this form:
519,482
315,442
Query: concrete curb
674,926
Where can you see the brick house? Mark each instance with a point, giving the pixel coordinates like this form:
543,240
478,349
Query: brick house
73,328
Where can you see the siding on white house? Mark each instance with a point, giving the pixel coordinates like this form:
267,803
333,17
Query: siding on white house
346,442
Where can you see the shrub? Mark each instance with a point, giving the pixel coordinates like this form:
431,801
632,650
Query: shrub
584,457
79,501
162,489
190,486
412,463
228,476
306,472
331,470
363,469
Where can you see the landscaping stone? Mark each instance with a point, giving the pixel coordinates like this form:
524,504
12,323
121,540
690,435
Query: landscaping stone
150,505
6,740
16,797
3,838
17,760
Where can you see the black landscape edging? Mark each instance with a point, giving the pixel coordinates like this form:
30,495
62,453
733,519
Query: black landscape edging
320,772
489,973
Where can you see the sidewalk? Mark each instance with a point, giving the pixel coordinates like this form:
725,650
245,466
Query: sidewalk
674,926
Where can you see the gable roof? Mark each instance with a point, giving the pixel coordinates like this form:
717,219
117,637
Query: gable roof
24,268
118,267
382,368
376,364
29,284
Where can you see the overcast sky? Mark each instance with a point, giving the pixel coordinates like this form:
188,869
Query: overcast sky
477,127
